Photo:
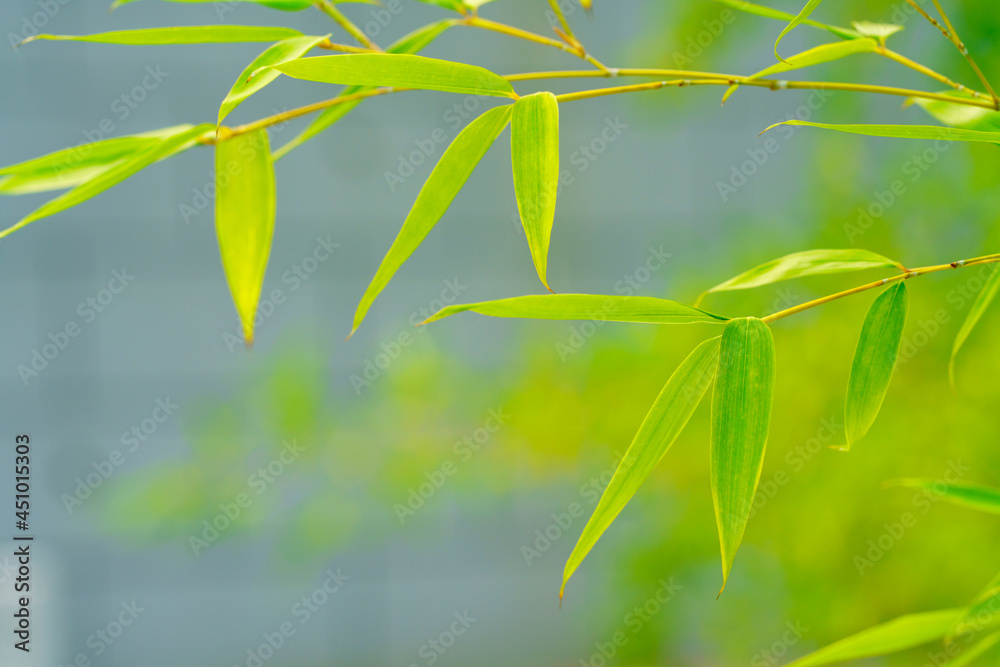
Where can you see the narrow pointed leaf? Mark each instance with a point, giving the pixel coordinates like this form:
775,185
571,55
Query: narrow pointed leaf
799,18
447,178
983,300
664,422
897,635
596,307
983,498
244,87
170,145
875,360
534,141
767,12
284,5
806,263
741,416
931,132
398,71
411,43
199,34
816,56
244,218
968,656
981,612
960,115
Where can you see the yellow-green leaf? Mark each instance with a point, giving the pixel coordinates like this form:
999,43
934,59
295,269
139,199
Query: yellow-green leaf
979,648
596,307
983,498
244,218
799,18
534,146
960,115
976,311
284,5
931,132
447,178
666,419
741,417
398,70
981,612
244,87
807,263
897,635
198,34
767,12
181,139
880,31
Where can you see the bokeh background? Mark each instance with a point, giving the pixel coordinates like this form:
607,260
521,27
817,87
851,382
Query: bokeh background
475,548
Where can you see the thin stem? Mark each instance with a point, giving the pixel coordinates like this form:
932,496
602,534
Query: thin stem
504,29
562,19
344,48
357,33
903,60
910,273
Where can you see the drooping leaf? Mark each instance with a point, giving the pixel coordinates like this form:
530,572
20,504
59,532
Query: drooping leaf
741,417
799,18
879,31
244,87
397,70
447,178
767,12
411,43
807,263
897,635
244,218
815,56
983,300
172,144
666,419
983,498
904,131
199,34
596,307
534,146
874,360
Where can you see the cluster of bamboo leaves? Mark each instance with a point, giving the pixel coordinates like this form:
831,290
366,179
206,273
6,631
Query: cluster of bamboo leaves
738,365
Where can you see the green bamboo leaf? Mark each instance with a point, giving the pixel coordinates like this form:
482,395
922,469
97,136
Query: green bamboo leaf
799,18
815,56
244,218
767,12
534,142
879,31
741,416
283,5
897,635
979,648
397,70
976,311
874,361
447,178
72,166
983,498
666,419
931,132
596,307
981,612
287,49
807,263
960,115
411,43
453,5
171,145
199,34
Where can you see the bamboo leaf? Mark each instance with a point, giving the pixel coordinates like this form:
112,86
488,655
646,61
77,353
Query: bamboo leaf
596,307
880,31
960,115
411,43
807,263
244,218
897,635
974,651
767,12
666,419
200,34
283,5
815,56
398,70
981,612
449,175
741,417
534,141
182,139
976,312
799,18
875,360
903,131
983,498
244,87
